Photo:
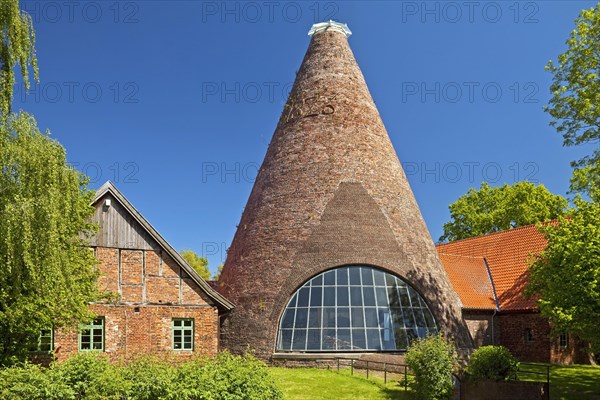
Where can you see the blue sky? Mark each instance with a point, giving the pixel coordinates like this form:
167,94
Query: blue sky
176,101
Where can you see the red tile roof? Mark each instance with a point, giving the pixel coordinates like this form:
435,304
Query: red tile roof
470,280
507,253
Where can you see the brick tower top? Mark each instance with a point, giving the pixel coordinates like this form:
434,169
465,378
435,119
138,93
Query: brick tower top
331,25
330,192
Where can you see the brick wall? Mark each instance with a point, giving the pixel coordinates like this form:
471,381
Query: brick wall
513,335
151,291
146,277
330,192
131,331
483,327
576,351
545,347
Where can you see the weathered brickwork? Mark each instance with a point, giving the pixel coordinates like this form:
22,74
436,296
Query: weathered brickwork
483,327
540,346
131,331
330,192
152,292
108,265
150,286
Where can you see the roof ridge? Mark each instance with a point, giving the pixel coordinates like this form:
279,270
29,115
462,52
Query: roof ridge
460,255
505,231
109,187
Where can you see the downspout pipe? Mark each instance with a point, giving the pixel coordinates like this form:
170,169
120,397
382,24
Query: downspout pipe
497,309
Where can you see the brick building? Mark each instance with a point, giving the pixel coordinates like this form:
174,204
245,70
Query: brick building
162,304
489,274
332,254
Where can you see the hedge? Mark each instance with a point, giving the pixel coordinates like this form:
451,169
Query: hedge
90,376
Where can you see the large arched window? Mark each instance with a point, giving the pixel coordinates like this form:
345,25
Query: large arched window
354,308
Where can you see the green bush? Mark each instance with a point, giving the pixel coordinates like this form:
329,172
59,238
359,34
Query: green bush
227,377
492,362
90,376
32,382
432,361
151,378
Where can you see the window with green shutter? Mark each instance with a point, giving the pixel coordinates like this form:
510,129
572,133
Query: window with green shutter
91,336
183,334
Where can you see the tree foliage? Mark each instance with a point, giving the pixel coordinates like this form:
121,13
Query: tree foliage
575,102
17,47
432,360
494,363
90,376
46,269
217,276
200,264
566,275
47,273
492,209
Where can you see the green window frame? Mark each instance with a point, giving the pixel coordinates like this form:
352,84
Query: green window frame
183,334
45,341
91,336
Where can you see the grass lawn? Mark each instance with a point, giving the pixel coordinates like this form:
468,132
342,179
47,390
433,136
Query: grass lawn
312,383
569,382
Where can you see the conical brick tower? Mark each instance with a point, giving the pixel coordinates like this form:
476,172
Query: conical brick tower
331,192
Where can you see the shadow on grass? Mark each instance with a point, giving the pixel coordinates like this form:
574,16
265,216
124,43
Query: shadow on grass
575,382
569,382
392,390
396,394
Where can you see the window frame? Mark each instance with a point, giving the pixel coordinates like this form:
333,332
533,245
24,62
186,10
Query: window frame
51,342
182,329
563,340
96,323
37,347
529,337
358,308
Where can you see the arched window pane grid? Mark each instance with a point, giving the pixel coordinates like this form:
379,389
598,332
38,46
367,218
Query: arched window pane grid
355,308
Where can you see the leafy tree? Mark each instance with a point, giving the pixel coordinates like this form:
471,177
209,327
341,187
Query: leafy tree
47,273
217,276
492,209
575,102
566,275
17,40
432,360
46,270
200,264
